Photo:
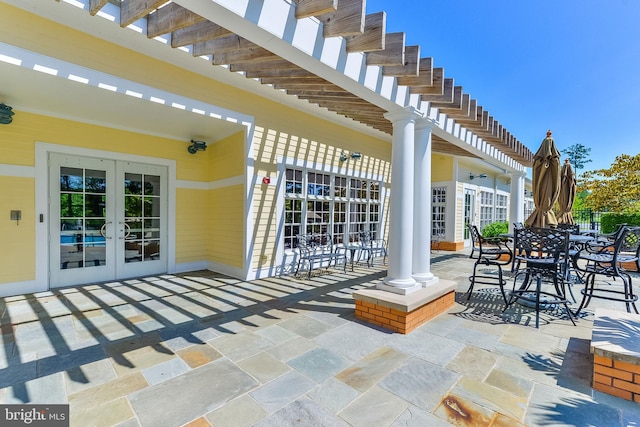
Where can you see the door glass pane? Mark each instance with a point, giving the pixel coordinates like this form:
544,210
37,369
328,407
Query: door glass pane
95,181
82,218
132,183
142,217
70,179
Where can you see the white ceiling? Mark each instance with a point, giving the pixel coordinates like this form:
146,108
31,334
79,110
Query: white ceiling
34,91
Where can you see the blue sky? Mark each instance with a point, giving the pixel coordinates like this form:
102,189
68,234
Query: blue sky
572,66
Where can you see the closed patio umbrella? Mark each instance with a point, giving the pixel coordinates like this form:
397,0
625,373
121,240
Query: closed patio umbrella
567,193
545,184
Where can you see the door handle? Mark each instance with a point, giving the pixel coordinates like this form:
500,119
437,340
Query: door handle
103,230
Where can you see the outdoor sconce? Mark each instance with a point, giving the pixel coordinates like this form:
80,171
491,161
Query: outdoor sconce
482,175
197,146
354,155
6,115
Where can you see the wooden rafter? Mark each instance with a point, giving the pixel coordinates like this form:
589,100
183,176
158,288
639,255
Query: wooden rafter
442,100
295,81
276,64
373,37
256,53
170,18
198,33
132,10
424,77
96,5
437,86
347,20
307,8
410,66
276,72
393,53
362,33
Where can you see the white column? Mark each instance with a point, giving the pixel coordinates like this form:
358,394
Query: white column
422,205
399,279
516,207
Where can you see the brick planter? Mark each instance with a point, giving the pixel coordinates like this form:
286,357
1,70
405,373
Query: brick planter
404,313
615,344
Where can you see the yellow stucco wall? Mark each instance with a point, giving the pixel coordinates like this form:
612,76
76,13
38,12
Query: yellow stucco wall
226,222
194,230
17,259
441,168
279,131
291,134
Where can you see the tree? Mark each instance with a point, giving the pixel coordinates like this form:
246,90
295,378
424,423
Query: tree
578,155
615,189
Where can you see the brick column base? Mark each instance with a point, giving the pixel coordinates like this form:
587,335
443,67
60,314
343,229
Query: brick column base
616,377
392,316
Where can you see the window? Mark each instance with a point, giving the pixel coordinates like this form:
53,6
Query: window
486,209
529,206
357,220
293,184
292,221
332,204
501,207
438,211
319,184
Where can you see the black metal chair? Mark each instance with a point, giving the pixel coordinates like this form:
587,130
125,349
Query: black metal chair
318,248
571,228
373,247
491,252
542,250
608,262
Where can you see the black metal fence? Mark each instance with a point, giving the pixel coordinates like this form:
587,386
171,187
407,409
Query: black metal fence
587,219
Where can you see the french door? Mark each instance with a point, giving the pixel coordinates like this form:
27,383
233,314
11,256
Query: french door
107,219
469,214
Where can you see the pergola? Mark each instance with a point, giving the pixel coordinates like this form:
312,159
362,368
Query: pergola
291,46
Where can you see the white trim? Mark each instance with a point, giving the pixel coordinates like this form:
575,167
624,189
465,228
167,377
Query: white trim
20,288
235,272
190,266
99,80
211,185
17,171
42,150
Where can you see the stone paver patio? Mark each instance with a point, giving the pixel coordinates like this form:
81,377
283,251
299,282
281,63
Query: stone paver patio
202,349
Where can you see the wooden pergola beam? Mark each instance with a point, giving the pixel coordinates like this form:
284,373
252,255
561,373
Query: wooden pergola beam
437,88
132,10
373,37
410,68
275,64
198,33
170,18
347,20
392,54
424,77
445,98
96,5
276,72
307,8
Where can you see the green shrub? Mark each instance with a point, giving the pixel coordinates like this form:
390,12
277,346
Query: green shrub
495,229
609,221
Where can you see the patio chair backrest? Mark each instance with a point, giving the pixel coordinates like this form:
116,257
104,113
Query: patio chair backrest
542,243
628,242
476,237
571,228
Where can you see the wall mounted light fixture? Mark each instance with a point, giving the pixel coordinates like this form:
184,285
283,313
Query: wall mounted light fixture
355,155
196,146
482,175
6,115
